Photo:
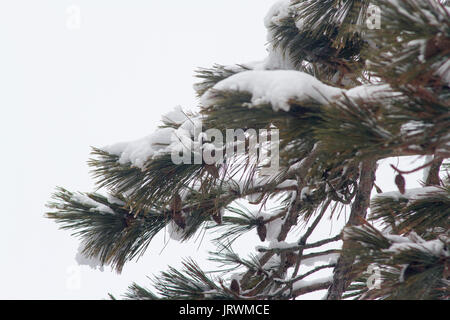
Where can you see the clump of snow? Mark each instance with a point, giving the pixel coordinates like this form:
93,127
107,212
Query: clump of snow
306,191
139,151
411,194
287,184
162,141
95,206
92,262
114,200
435,247
306,283
326,258
275,244
176,116
280,10
370,91
277,59
276,87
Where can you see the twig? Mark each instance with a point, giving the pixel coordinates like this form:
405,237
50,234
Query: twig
299,247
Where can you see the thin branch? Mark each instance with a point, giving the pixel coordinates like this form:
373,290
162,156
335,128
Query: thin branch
306,274
299,247
418,168
311,288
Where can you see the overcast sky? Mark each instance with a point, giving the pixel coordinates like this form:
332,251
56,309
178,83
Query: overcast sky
65,87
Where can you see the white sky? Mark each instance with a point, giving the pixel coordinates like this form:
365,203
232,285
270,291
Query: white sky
63,90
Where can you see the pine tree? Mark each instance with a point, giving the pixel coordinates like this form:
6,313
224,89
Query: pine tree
343,96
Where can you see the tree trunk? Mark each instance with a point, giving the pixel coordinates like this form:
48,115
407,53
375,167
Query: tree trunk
342,273
433,174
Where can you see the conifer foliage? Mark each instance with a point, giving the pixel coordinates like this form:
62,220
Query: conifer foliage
343,95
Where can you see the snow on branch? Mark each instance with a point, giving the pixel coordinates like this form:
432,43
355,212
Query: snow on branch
164,140
411,194
276,87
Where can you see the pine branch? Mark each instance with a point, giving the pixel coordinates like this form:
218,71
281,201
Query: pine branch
110,233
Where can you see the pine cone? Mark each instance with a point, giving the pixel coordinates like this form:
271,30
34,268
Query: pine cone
291,259
177,204
401,183
128,219
235,287
212,170
179,219
217,217
413,269
262,230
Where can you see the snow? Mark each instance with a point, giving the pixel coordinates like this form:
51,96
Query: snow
306,283
287,184
273,229
177,116
279,11
95,206
162,141
306,191
276,87
279,87
326,258
114,200
421,44
273,263
411,194
252,198
82,260
436,247
412,128
444,72
139,151
426,171
370,91
275,244
174,231
276,60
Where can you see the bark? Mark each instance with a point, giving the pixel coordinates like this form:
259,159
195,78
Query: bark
343,271
433,174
